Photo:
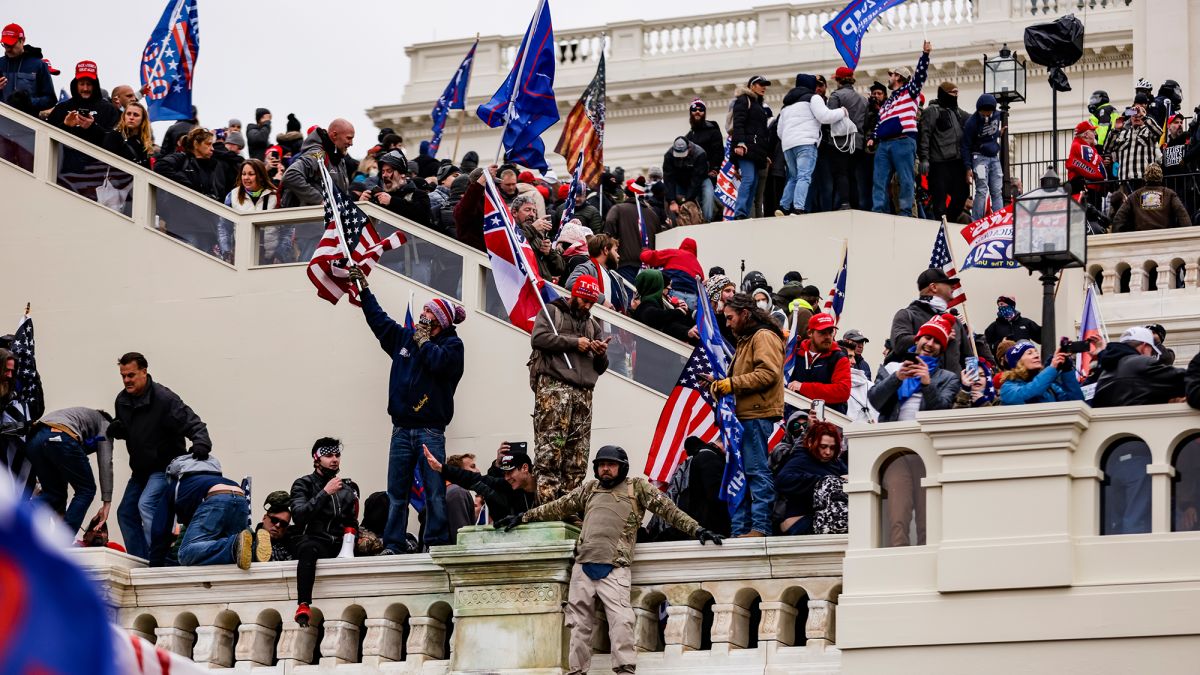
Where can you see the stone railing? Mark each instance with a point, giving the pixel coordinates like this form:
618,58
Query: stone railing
1148,261
1053,8
493,602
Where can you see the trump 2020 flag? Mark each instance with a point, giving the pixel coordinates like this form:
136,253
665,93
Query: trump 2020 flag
524,104
837,295
727,186
991,241
514,267
453,98
851,24
169,61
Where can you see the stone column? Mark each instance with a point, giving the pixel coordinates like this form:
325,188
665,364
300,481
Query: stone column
384,642
426,639
340,644
509,589
175,640
778,623
296,645
731,627
683,629
255,645
819,629
214,646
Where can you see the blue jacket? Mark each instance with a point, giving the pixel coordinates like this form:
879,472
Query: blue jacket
798,479
980,136
1048,386
28,73
423,379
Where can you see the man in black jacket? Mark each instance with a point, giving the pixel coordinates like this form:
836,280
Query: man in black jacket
750,139
935,290
87,114
1131,374
154,422
324,508
258,135
508,488
706,134
1011,325
685,177
400,194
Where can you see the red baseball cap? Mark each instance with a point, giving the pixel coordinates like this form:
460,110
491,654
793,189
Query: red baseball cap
52,69
86,69
843,73
12,33
1084,126
586,288
822,321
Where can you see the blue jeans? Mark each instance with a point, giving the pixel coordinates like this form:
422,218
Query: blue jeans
58,461
896,155
135,514
210,536
708,198
801,160
754,513
403,457
989,178
748,189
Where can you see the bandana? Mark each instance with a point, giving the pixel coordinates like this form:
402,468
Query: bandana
1006,312
328,450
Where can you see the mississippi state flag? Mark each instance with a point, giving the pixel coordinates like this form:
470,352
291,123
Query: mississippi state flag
514,267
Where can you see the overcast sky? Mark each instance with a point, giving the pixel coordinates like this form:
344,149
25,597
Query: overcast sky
319,60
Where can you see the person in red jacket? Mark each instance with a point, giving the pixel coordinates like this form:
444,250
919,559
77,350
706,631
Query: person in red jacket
822,370
1084,164
681,267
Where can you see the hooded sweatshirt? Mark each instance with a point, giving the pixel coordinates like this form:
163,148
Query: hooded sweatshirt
680,265
803,114
105,118
28,80
302,180
981,136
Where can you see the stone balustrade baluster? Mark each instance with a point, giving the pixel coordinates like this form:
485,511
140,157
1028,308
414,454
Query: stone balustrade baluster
296,645
645,630
684,625
778,623
340,644
819,629
426,639
1191,274
255,645
214,646
730,627
175,640
384,642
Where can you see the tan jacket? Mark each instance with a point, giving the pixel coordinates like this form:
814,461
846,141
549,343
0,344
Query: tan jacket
757,375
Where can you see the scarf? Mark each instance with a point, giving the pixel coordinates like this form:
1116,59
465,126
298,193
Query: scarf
938,304
601,278
913,384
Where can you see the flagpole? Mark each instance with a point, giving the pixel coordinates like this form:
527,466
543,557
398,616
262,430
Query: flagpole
462,114
537,15
966,319
337,219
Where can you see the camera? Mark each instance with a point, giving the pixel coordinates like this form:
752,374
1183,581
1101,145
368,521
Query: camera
1070,346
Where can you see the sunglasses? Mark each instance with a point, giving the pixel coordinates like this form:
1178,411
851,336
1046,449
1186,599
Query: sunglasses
279,522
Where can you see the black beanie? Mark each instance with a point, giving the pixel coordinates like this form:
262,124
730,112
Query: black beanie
258,114
293,124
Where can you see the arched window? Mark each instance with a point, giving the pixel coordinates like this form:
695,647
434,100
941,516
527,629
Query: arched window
1125,491
1185,489
903,503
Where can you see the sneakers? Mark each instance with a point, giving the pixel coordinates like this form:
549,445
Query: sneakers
303,614
243,549
781,212
262,545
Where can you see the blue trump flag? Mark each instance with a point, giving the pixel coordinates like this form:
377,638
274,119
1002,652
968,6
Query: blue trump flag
525,103
453,98
851,24
169,61
416,494
733,482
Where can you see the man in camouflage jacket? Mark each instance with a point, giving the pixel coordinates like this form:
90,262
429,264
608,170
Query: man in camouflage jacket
612,507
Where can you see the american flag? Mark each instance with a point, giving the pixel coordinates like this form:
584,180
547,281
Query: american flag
689,411
583,132
344,221
837,294
169,61
942,258
572,194
26,407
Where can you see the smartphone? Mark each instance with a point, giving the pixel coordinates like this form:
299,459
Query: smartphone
910,357
818,410
973,367
518,446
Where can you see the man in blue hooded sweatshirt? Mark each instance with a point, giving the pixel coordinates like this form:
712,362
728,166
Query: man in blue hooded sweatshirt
981,153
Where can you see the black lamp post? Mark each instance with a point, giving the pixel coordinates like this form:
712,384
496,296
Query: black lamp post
1049,235
1004,78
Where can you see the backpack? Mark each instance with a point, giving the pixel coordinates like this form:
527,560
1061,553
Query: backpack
843,134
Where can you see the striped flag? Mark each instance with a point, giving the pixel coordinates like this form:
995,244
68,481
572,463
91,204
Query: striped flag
347,228
572,195
789,349
727,186
942,258
169,62
687,412
27,405
514,267
583,133
1091,328
837,294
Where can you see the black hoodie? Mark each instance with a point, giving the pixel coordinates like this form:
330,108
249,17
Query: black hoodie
1128,378
105,118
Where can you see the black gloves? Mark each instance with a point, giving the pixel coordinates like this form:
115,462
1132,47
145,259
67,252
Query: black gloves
708,535
509,522
116,429
200,453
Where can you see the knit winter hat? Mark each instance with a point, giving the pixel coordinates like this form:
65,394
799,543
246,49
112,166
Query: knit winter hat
715,284
259,112
1014,353
1153,174
236,138
939,328
574,233
293,124
446,312
586,288
697,104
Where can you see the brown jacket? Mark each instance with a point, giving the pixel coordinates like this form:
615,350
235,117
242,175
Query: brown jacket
1152,207
757,375
548,348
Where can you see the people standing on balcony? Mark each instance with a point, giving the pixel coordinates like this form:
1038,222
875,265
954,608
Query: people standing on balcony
132,138
1010,324
1174,163
981,155
810,484
25,82
302,181
1151,207
1027,381
756,382
750,140
1134,146
1131,373
917,379
940,153
685,178
570,353
804,111
276,522
822,369
612,508
258,134
934,291
1102,116
87,114
603,256
509,487
154,423
58,449
707,134
324,509
895,138
848,157
427,365
621,223
398,192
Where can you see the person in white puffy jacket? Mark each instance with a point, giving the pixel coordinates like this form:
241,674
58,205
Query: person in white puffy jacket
799,128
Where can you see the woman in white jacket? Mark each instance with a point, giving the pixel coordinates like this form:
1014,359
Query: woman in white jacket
256,192
799,128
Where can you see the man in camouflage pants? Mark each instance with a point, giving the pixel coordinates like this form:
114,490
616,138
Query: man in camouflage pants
569,355
612,507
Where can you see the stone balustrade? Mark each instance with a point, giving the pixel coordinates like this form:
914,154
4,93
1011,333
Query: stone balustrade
493,602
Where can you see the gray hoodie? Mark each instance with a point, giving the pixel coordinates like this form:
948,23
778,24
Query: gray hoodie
91,428
856,106
302,184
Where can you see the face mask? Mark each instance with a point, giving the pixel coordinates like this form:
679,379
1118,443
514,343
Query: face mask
763,305
1005,312
938,303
